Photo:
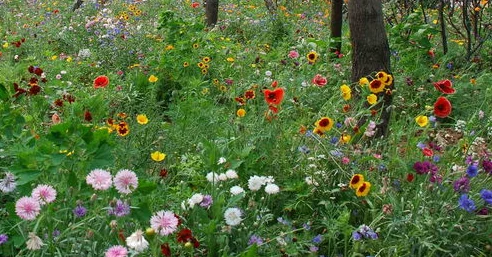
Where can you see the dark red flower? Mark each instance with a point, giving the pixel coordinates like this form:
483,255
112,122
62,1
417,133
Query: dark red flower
195,4
410,177
87,116
444,86
442,107
184,235
31,69
38,71
165,249
18,91
427,152
101,81
58,102
34,90
274,96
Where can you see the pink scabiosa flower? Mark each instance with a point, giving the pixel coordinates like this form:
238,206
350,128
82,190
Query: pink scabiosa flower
116,251
27,208
125,181
293,54
99,179
44,194
164,222
319,80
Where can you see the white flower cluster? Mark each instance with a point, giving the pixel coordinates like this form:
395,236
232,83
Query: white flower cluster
214,178
256,182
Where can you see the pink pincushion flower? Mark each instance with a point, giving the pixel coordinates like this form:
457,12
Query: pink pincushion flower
293,54
125,181
117,251
27,208
99,179
44,194
164,222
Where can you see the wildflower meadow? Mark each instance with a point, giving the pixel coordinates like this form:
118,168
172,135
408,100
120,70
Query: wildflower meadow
147,128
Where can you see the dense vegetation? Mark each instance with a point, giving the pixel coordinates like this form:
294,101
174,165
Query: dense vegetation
130,128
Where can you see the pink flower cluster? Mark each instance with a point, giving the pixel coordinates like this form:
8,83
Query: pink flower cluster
125,181
29,207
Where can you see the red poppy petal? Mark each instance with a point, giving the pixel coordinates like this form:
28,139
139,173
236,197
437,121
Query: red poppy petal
442,107
445,86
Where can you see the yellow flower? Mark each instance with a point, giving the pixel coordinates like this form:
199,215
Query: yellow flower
422,120
356,181
142,119
473,81
169,47
195,45
152,79
324,124
346,92
5,45
206,59
204,71
363,189
376,86
345,138
312,56
54,57
186,64
372,99
69,59
158,156
230,59
241,113
435,21
363,81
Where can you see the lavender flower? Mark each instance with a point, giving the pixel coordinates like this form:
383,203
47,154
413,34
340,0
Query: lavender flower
7,184
119,209
317,239
254,239
207,201
364,232
466,203
462,185
3,239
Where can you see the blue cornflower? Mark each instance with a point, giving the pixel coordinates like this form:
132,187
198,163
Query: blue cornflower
80,211
317,239
356,236
486,195
304,149
334,140
466,203
472,171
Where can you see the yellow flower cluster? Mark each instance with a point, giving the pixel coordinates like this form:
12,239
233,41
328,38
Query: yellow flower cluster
361,186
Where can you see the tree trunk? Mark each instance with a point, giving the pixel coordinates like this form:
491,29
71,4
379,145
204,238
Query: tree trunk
336,25
271,6
211,12
370,51
443,27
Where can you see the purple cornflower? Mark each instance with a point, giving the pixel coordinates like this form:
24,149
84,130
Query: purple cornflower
425,167
472,171
119,209
486,195
462,185
364,232
356,235
487,166
317,239
466,203
313,249
254,239
207,201
79,211
3,239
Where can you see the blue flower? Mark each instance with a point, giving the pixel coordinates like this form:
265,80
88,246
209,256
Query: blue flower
466,203
80,211
472,171
317,239
486,195
304,149
356,236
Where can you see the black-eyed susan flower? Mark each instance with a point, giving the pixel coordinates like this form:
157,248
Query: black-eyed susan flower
376,86
204,71
142,119
196,45
206,59
324,124
356,181
186,64
312,57
215,81
157,156
200,65
363,189
122,129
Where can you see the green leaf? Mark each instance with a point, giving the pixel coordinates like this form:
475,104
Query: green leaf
252,252
145,187
101,158
142,212
4,94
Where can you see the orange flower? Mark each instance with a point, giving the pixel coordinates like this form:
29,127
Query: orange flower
122,128
274,96
101,81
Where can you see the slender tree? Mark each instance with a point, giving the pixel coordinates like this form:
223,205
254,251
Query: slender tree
336,22
370,50
211,12
271,6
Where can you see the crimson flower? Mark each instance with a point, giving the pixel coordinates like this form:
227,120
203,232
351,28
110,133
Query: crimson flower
319,80
444,86
165,249
185,236
274,96
442,107
101,81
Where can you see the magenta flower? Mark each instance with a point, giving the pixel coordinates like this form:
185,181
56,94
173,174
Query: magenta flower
27,208
125,181
99,179
44,194
117,251
293,54
164,222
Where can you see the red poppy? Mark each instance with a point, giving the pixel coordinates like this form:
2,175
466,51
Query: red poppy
410,177
274,96
427,152
319,80
195,4
101,81
165,249
444,86
442,107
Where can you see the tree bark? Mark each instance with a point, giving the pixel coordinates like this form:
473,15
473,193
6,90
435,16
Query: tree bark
370,51
211,12
271,6
336,25
443,27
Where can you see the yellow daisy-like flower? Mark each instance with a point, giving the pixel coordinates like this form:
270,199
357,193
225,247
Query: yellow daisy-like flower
422,120
215,81
204,71
241,113
345,138
372,99
363,189
312,57
5,45
200,65
376,86
142,119
324,124
206,59
122,128
153,79
230,59
356,181
158,156
169,47
346,92
186,64
69,59
363,82
54,57
195,45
